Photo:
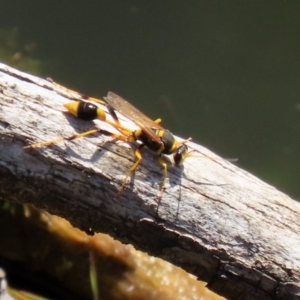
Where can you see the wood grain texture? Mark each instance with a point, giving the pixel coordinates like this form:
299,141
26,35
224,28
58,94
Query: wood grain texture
215,220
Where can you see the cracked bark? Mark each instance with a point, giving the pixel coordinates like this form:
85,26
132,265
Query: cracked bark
215,220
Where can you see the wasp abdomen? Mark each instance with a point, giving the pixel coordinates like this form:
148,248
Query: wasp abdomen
85,111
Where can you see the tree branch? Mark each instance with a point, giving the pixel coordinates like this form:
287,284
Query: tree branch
214,220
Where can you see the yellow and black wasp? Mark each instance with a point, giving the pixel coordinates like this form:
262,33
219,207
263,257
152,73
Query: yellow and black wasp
149,133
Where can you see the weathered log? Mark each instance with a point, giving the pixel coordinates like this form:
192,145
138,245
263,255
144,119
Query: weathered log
215,220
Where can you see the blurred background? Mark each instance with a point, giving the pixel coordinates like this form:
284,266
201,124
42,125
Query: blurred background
223,72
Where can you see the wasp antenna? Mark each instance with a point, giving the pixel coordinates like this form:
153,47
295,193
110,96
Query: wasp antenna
211,157
187,140
184,141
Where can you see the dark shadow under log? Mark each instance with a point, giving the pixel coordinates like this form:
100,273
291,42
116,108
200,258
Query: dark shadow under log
215,220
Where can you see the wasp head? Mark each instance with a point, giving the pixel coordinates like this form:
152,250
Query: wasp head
181,152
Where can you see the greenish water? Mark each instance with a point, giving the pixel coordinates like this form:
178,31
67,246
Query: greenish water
224,72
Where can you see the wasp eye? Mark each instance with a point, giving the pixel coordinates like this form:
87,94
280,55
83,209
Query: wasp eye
180,154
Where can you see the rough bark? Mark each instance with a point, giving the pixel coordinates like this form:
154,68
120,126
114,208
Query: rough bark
215,220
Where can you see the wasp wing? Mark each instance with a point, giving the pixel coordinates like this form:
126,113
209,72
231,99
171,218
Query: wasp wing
129,111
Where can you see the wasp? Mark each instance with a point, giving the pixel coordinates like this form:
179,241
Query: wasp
149,132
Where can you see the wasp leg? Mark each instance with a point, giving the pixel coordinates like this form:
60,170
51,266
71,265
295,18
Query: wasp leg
53,141
116,124
76,136
85,111
165,173
113,114
124,133
139,157
72,92
46,143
